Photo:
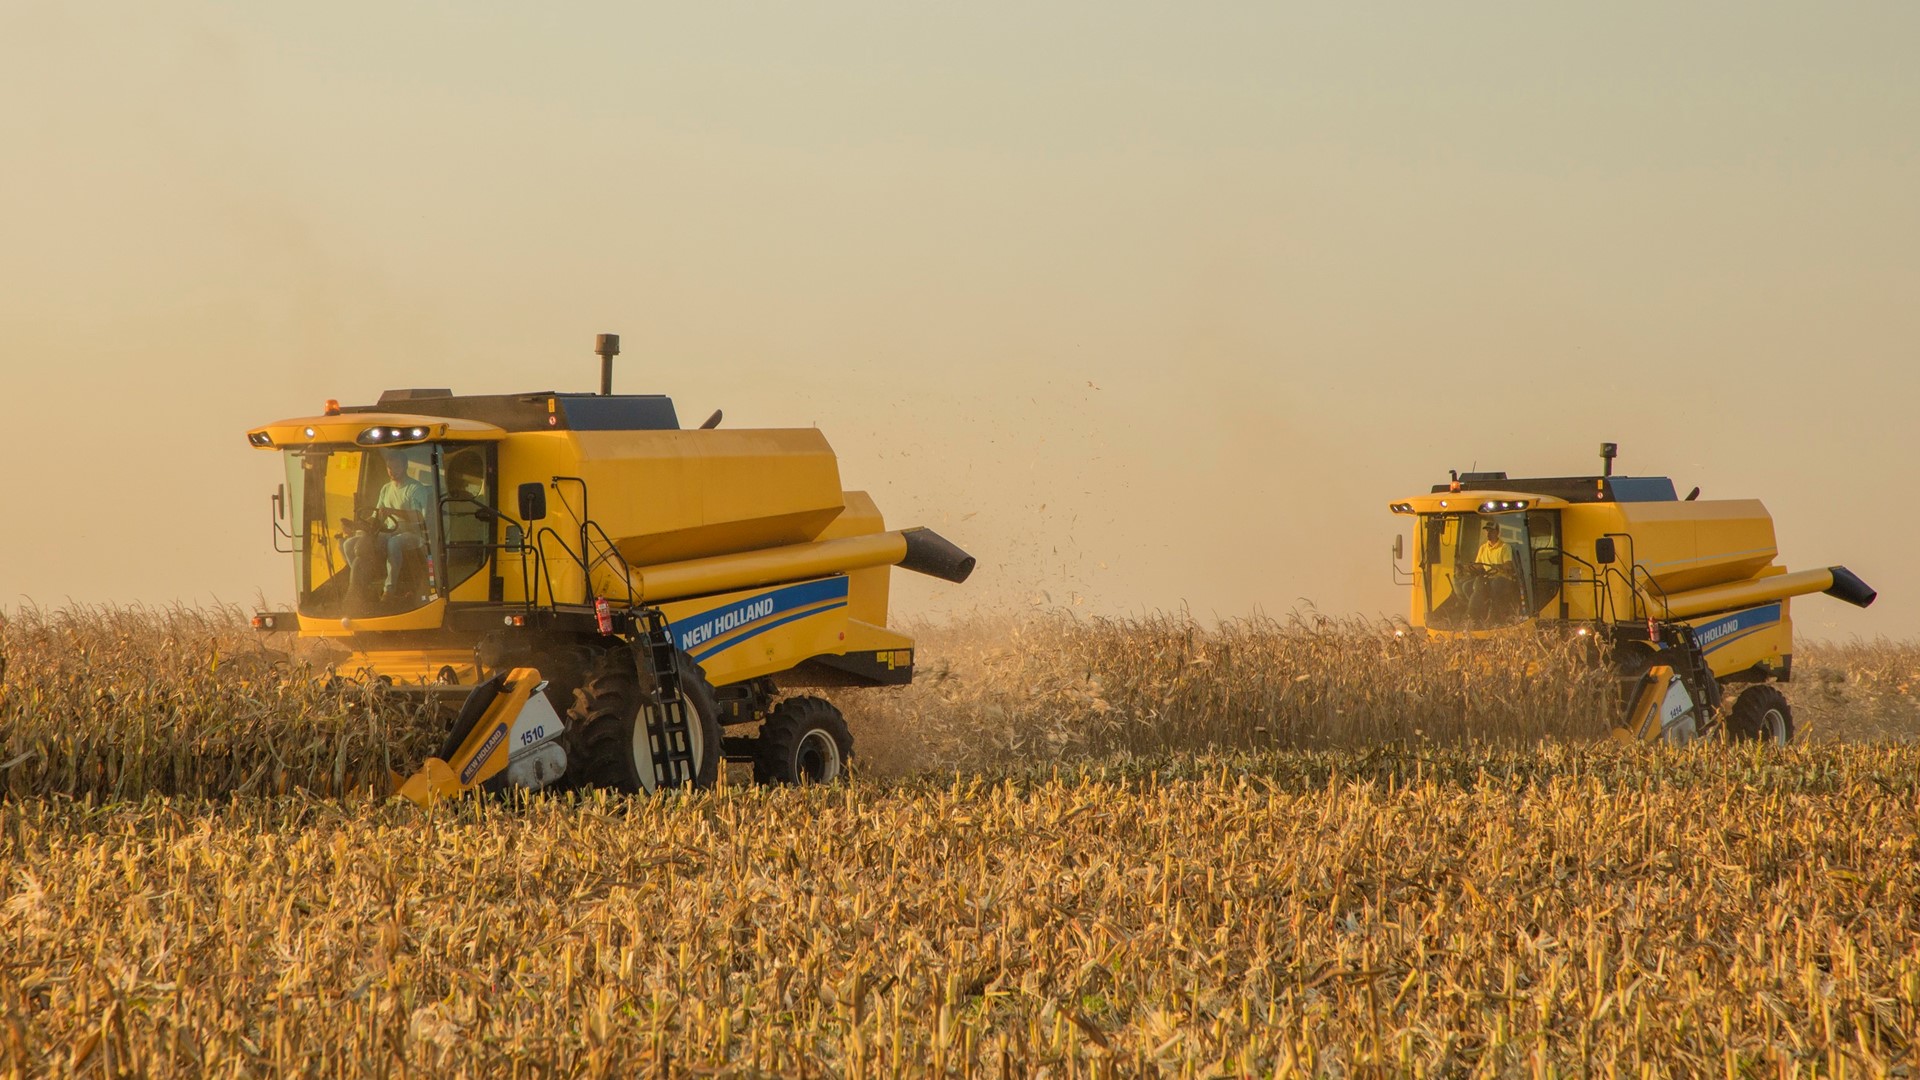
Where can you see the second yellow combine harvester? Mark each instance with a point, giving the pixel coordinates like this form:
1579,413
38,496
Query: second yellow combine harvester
610,591
1683,594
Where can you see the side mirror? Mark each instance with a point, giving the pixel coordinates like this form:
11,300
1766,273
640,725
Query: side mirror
1603,551
280,504
515,538
533,502
1399,548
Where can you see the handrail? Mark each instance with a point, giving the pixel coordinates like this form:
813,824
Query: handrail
1593,574
530,579
539,539
584,517
1655,589
612,553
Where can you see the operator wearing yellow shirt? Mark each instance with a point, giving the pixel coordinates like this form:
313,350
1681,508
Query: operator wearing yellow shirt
1494,552
1492,585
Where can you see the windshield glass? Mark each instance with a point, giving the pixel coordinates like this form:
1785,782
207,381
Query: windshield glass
366,529
1488,570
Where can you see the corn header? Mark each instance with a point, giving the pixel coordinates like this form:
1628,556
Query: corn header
1682,595
605,592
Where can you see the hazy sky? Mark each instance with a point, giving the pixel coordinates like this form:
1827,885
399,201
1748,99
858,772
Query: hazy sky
1146,304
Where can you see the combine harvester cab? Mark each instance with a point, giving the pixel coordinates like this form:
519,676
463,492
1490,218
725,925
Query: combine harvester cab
608,592
1684,594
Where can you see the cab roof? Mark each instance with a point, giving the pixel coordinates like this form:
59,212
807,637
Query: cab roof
470,417
1573,489
1496,493
544,410
396,429
1483,501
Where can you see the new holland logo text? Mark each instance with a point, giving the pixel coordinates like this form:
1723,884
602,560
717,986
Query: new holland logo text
486,750
1717,631
1732,625
726,621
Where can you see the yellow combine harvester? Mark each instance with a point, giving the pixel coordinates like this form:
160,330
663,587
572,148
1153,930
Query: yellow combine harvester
609,590
1684,594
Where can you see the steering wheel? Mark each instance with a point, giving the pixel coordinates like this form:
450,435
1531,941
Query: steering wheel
379,520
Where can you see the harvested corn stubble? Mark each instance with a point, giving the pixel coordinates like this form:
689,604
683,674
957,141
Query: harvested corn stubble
1395,858
1438,912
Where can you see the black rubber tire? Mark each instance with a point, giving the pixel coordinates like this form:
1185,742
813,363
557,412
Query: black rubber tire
605,711
1760,714
803,741
565,667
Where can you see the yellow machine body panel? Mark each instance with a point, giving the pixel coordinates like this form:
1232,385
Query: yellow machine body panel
668,496
409,667
755,632
1671,547
1687,545
743,538
1744,640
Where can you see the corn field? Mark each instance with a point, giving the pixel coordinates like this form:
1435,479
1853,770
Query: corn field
1166,853
1333,913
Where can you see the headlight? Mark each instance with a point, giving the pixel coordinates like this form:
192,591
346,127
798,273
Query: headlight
385,436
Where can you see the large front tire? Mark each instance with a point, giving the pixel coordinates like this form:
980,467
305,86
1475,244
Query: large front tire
1761,714
614,723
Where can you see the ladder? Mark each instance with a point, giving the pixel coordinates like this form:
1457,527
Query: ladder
671,734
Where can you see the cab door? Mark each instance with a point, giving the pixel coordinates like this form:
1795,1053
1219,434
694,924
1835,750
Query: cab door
468,482
1544,564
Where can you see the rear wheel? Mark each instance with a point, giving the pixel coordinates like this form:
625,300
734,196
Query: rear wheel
803,741
615,725
1761,714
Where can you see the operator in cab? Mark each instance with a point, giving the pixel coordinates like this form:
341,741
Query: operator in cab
1495,586
1494,553
383,546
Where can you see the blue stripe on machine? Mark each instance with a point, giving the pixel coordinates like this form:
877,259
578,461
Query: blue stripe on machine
764,627
1712,635
691,634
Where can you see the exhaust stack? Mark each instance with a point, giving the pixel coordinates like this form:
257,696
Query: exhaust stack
608,346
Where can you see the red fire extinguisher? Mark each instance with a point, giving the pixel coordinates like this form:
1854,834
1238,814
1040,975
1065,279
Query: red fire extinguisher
603,614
